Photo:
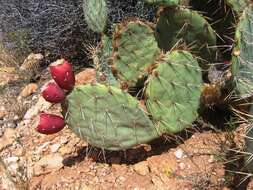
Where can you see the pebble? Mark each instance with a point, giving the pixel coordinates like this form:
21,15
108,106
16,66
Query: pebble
42,148
28,90
86,76
65,150
3,112
141,168
63,140
55,147
181,166
12,159
31,62
211,159
11,125
18,152
179,153
40,106
47,164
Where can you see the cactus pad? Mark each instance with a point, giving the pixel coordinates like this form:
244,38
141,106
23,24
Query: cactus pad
173,92
95,14
134,51
242,58
108,118
178,26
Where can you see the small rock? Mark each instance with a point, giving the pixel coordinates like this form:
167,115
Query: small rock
55,147
3,112
157,182
11,125
141,168
63,140
12,159
65,150
179,153
40,106
181,166
13,168
7,139
32,62
18,152
48,164
86,76
15,118
41,148
211,160
121,178
28,90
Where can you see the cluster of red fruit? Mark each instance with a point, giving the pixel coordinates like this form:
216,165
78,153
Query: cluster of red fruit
55,92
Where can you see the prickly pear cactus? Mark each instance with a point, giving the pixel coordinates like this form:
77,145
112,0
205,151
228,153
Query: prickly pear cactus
182,27
108,118
95,13
160,60
134,51
173,91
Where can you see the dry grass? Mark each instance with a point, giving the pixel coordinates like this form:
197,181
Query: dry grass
7,58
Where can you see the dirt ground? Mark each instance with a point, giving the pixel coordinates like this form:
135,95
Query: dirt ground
200,159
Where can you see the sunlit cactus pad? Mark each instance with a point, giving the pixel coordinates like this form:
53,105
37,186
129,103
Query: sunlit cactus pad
173,91
179,26
134,50
108,118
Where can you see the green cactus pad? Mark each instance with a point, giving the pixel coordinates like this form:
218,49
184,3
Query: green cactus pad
134,51
173,92
95,14
242,59
238,5
101,61
108,118
178,26
168,2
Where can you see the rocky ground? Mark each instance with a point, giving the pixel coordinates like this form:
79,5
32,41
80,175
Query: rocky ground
201,159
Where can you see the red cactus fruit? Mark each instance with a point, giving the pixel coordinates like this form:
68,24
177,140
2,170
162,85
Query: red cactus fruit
50,123
63,74
51,92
